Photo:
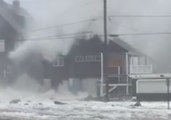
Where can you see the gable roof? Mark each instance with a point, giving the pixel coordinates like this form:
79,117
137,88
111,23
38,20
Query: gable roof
126,46
94,45
7,13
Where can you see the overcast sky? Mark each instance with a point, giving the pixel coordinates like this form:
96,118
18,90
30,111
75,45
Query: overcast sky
65,11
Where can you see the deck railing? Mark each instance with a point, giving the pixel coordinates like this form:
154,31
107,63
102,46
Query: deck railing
141,69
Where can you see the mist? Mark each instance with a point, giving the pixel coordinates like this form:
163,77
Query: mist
59,12
52,15
156,46
38,44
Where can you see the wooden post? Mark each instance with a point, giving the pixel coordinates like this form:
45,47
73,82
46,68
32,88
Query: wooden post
127,72
106,51
102,77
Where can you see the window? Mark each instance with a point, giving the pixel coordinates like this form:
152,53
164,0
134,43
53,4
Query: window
97,58
59,62
89,58
79,59
134,60
142,60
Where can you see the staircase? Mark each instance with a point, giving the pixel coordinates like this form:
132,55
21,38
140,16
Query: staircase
118,83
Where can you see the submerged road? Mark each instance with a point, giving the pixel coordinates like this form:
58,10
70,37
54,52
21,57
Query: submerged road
80,110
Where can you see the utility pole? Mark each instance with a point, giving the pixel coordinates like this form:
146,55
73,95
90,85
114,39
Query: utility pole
106,51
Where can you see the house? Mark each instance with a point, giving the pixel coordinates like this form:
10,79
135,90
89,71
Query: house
12,25
83,66
138,64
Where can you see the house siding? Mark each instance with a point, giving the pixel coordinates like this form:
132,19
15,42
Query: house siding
89,68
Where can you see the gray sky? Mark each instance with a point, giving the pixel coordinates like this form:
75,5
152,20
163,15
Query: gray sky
67,11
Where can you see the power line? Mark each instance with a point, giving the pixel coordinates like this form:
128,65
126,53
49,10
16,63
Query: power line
140,34
54,37
95,19
75,35
62,25
140,16
45,39
70,34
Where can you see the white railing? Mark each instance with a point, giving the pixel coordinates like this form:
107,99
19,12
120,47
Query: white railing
141,69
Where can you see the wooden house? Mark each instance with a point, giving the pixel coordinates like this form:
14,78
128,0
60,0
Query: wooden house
82,66
12,25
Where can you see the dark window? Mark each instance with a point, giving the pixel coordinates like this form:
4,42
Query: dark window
59,62
97,58
79,59
89,58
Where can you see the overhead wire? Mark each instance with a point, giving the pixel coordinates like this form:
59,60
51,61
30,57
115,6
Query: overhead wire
140,16
67,24
111,16
55,37
140,34
67,36
62,25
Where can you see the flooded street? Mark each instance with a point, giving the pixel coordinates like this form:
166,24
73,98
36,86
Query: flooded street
79,110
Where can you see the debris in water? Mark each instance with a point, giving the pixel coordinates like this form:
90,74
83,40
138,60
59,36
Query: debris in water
26,104
40,103
15,101
59,103
91,98
137,104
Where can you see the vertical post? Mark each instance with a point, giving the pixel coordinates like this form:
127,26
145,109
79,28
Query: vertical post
106,51
168,92
127,69
102,76
119,74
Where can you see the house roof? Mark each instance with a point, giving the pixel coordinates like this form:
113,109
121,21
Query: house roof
126,46
94,45
7,12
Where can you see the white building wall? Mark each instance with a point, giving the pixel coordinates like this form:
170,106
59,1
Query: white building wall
90,86
152,86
